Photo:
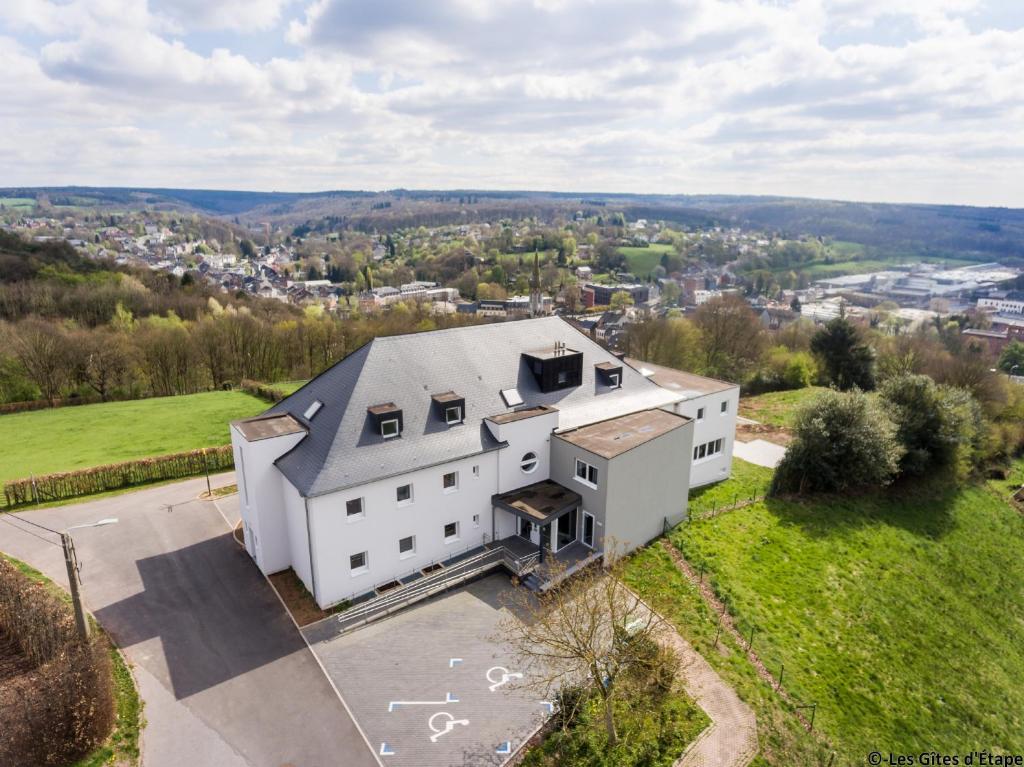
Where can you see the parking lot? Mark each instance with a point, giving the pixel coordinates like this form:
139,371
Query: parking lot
434,686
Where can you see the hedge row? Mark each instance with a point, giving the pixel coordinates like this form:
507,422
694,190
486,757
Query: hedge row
264,391
99,479
62,706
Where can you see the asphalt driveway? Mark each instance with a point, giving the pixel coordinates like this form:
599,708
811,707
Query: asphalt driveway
226,678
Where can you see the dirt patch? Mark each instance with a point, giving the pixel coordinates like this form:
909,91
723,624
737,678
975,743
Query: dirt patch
13,662
298,600
748,432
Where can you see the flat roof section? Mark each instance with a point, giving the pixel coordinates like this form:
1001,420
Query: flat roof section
519,415
679,380
267,426
540,502
618,435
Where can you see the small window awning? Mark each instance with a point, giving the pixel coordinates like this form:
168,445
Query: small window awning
541,502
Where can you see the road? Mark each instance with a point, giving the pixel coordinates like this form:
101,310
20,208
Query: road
226,678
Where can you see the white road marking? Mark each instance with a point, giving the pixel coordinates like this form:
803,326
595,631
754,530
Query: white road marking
506,677
449,725
395,703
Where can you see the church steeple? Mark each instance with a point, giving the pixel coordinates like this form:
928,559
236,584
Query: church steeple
536,302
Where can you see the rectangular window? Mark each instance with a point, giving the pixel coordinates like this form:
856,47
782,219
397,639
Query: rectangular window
453,414
450,482
451,532
586,473
718,446
703,451
695,448
725,406
389,428
404,495
354,508
476,471
613,380
407,546
476,520
357,563
700,414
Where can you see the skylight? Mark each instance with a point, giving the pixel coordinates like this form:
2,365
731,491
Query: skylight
511,397
313,409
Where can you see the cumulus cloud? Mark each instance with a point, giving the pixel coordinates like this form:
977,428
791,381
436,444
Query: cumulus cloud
840,98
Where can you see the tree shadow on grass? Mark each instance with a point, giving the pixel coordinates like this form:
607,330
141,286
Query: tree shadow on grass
921,507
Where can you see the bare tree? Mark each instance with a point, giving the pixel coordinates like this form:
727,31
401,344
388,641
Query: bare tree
590,632
733,338
41,348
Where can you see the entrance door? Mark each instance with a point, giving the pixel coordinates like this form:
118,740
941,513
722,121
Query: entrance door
588,529
565,530
525,528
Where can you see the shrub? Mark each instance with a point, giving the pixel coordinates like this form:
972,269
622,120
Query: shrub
938,426
841,441
62,706
265,392
783,369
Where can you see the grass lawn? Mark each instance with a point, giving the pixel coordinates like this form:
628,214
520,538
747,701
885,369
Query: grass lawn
21,203
643,260
62,439
747,481
777,408
901,615
289,387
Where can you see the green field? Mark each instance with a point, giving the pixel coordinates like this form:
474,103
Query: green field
62,439
21,203
643,260
777,408
901,615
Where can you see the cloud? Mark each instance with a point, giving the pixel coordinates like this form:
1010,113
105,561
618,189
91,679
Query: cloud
841,98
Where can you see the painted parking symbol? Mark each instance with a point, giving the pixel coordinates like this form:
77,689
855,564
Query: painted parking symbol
499,676
442,723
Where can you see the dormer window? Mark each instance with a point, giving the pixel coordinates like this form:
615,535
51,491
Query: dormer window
451,407
609,374
556,367
386,419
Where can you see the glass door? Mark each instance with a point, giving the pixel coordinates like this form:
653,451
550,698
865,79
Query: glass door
588,529
565,530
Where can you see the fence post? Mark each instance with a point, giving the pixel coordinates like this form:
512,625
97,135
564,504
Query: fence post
702,572
718,633
782,670
750,642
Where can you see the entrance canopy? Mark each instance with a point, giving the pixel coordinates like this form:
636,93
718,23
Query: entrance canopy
542,502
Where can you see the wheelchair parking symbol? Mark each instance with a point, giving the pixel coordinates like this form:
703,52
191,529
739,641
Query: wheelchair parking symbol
447,723
499,676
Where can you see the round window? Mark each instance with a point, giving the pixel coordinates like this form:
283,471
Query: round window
529,463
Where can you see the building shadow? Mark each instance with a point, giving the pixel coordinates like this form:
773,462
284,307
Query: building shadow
214,614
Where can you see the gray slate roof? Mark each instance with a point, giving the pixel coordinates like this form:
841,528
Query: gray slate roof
342,449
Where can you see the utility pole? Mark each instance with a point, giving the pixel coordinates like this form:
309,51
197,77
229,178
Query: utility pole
81,620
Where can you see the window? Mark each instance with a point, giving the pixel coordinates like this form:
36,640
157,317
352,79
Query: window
357,563
725,406
450,482
312,410
708,449
354,508
586,473
563,377
451,532
407,546
700,414
511,397
613,380
476,471
403,495
529,463
476,520
453,415
389,428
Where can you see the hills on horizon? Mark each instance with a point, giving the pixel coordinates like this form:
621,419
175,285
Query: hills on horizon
908,228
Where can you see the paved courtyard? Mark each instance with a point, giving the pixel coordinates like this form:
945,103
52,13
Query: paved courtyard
433,686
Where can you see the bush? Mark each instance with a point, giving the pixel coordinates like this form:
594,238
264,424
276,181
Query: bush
265,392
783,370
62,706
841,441
938,426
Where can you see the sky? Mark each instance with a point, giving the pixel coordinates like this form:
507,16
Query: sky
880,100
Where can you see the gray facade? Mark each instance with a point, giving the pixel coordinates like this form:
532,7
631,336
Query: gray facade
636,491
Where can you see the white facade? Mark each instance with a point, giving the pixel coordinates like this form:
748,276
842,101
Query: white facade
1002,305
714,431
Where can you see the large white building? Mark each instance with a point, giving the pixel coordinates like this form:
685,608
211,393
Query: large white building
523,439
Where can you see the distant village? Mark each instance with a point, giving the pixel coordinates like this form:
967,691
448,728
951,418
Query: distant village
296,266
